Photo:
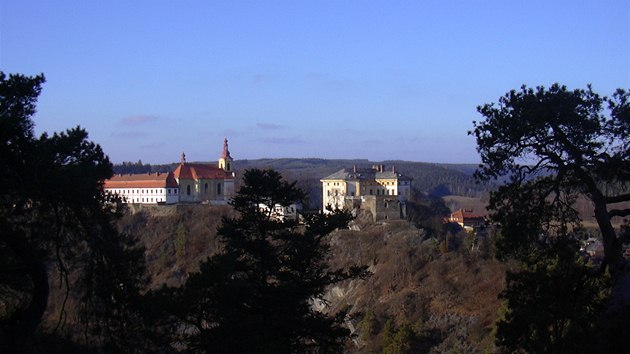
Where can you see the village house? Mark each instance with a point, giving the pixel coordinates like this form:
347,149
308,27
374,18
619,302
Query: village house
188,183
466,219
381,192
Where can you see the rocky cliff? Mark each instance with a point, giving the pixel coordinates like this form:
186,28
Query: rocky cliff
444,300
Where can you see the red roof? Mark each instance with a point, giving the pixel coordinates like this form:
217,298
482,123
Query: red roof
463,215
142,180
187,170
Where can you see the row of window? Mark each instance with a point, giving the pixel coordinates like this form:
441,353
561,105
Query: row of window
142,200
169,190
373,183
371,192
148,200
148,191
205,189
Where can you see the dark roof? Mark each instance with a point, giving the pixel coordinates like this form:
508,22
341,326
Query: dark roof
365,174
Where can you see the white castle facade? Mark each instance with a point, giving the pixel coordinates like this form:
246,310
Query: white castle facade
382,192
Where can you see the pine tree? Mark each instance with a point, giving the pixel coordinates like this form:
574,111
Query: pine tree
259,295
55,218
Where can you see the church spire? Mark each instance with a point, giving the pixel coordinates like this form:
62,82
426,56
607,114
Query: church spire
226,152
225,161
183,158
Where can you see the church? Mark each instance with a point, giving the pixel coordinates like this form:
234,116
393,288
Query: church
191,183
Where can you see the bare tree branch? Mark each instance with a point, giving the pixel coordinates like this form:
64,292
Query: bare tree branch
619,212
618,199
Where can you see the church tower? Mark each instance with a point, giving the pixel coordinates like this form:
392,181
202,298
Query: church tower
226,161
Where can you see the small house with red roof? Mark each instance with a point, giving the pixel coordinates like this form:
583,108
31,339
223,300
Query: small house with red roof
188,183
466,218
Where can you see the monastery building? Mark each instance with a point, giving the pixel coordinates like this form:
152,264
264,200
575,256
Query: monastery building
188,183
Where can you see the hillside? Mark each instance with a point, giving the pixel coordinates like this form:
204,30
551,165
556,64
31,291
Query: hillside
448,298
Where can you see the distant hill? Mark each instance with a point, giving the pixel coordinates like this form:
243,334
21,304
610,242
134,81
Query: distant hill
428,178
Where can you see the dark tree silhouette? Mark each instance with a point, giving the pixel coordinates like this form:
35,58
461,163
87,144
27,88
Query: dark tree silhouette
552,146
259,294
55,217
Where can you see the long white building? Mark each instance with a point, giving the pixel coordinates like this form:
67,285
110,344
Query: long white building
151,188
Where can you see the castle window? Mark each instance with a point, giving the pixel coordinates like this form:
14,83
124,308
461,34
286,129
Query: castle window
218,188
371,191
188,190
205,188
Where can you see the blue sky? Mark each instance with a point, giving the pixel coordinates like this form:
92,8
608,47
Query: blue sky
331,79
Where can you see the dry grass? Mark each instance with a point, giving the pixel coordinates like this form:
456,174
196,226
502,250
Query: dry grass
412,282
176,238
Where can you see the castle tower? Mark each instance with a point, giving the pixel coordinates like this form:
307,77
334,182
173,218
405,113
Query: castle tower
226,161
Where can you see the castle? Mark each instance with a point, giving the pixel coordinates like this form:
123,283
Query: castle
188,183
381,192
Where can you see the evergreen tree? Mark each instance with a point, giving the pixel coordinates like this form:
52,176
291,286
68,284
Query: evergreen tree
551,147
56,219
260,294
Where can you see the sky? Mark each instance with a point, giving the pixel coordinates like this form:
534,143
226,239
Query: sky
377,80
